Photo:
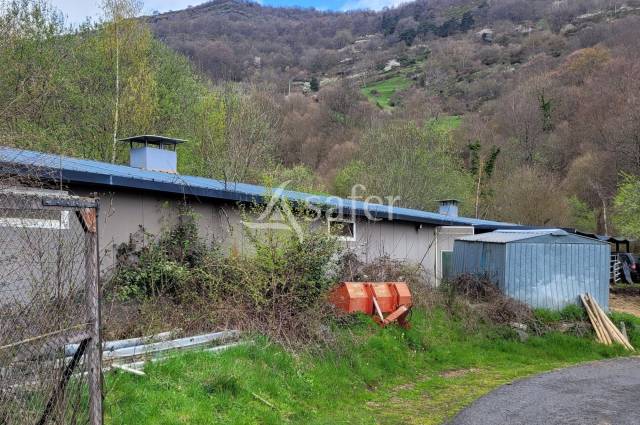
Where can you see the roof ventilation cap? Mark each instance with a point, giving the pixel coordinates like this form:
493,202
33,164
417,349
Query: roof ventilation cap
153,153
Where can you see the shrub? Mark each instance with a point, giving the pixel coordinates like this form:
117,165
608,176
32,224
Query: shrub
486,299
285,268
385,269
475,298
163,266
278,290
489,55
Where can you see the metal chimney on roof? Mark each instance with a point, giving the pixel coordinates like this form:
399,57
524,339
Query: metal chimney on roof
448,207
153,153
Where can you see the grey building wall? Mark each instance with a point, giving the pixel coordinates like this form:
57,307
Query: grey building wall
122,214
446,236
36,263
398,240
125,213
543,275
480,259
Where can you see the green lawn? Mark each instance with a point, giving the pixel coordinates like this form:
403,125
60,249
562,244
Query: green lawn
386,376
380,92
446,123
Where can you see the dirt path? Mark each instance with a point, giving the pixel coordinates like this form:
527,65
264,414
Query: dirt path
597,393
625,303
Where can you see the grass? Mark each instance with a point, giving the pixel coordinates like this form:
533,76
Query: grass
381,91
387,376
446,122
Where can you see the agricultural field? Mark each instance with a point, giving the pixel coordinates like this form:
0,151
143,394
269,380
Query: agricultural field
368,375
446,123
381,91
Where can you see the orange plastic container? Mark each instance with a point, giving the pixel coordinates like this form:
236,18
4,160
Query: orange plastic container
403,293
352,297
385,295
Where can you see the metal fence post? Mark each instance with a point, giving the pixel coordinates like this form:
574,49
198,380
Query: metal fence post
94,351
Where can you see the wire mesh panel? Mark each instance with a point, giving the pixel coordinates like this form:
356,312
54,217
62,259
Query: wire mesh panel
49,309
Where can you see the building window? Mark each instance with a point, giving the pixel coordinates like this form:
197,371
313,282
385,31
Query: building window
342,229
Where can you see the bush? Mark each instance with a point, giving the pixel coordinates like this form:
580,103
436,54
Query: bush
487,301
385,269
475,298
278,290
284,269
489,55
162,267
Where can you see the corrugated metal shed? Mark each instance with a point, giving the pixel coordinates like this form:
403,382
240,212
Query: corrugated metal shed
85,171
545,269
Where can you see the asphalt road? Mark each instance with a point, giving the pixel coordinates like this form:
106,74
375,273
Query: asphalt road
602,393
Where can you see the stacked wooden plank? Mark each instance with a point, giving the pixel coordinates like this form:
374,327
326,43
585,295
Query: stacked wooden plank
606,331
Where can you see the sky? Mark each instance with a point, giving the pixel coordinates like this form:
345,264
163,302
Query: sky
76,11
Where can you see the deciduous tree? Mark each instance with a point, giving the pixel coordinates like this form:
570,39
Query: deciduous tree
627,206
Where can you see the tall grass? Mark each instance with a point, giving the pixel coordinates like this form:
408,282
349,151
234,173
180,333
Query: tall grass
370,375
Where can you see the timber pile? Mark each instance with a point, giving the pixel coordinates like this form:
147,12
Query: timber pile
606,331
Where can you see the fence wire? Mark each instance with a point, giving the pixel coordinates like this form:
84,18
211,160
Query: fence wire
46,310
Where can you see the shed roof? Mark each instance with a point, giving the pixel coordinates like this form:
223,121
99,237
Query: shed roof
504,236
85,171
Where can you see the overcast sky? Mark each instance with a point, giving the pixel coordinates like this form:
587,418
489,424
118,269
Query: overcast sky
76,11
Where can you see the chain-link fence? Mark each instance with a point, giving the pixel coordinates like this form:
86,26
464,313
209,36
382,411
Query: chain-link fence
49,309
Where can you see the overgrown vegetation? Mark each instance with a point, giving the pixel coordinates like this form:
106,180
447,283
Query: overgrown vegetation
278,288
453,353
305,363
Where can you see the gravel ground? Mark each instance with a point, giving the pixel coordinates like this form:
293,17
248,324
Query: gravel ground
602,393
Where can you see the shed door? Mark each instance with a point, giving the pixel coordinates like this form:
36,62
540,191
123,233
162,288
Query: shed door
445,235
447,265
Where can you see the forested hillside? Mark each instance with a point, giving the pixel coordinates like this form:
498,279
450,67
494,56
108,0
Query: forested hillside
527,111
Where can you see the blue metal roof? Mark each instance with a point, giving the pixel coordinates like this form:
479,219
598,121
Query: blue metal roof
85,171
504,236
